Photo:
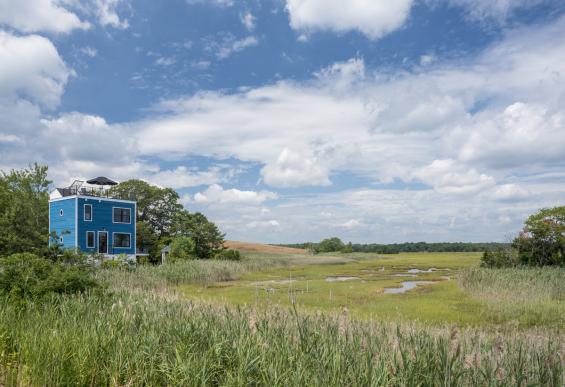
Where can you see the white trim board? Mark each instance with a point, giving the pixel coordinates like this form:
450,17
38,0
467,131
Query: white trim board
92,198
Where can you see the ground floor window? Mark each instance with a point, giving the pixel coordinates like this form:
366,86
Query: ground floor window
122,240
90,239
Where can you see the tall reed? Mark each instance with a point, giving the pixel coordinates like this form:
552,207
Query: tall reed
145,339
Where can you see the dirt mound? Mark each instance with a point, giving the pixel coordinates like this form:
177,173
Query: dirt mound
246,246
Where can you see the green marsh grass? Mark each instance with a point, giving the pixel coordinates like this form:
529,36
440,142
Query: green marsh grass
146,339
144,331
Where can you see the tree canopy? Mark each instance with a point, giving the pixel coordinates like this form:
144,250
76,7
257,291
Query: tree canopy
542,242
24,210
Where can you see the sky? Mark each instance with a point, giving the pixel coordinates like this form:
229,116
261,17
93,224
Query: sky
296,120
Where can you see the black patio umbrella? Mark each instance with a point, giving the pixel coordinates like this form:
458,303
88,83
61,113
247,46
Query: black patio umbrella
101,180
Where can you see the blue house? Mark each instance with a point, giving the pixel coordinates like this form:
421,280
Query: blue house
86,218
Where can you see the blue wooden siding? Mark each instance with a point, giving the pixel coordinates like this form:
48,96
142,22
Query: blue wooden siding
63,225
102,220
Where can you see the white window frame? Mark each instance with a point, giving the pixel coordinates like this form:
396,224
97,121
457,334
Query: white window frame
84,213
61,212
107,242
61,240
93,239
120,247
121,208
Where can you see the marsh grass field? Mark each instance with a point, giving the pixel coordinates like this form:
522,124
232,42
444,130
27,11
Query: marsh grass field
290,319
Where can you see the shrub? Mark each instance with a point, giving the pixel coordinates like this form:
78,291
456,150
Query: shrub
499,258
26,275
182,248
229,255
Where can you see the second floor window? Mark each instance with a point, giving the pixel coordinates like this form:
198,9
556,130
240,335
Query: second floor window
122,215
88,212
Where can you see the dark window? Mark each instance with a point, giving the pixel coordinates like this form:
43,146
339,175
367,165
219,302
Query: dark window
122,215
122,240
88,212
90,239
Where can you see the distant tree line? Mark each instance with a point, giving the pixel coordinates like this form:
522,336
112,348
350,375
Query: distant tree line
336,245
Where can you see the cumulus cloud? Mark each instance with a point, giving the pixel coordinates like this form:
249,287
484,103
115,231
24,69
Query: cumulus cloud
183,177
373,18
521,134
446,176
39,15
217,194
291,170
31,68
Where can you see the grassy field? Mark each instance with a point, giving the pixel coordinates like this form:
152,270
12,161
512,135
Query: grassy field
275,319
357,282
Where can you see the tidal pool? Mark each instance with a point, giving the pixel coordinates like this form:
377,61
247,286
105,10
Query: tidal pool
406,286
341,279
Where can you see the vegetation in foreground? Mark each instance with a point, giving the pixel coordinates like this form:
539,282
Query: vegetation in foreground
150,339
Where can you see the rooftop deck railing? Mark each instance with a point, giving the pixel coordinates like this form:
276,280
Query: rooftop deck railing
95,192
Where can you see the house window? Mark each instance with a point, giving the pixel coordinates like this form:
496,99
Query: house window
90,239
60,212
122,240
61,241
88,212
122,215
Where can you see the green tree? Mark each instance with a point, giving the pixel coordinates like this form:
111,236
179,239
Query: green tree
207,237
182,248
24,210
156,207
330,245
542,242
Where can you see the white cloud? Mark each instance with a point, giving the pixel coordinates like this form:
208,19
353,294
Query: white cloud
351,224
107,14
427,59
39,15
165,61
31,68
248,20
510,192
89,51
217,194
374,18
221,3
446,176
521,134
291,170
493,9
225,44
182,177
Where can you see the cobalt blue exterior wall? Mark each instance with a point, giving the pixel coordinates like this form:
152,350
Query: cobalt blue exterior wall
75,227
102,220
63,225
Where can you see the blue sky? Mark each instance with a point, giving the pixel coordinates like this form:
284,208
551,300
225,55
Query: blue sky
295,120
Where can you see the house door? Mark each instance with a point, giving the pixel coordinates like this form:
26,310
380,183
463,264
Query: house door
103,242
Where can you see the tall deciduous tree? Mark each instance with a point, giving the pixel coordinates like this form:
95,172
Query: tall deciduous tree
207,238
156,207
542,242
24,210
